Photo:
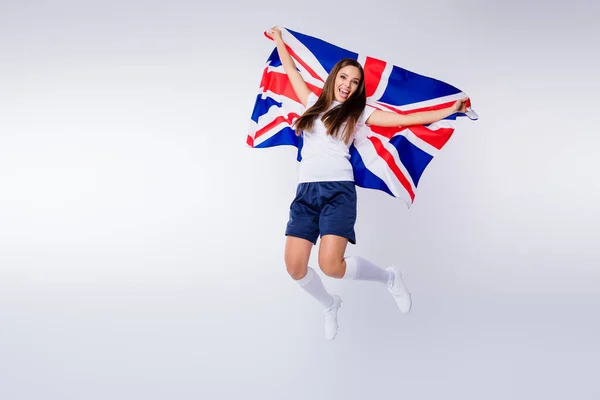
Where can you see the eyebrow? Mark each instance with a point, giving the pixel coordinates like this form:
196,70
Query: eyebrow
344,74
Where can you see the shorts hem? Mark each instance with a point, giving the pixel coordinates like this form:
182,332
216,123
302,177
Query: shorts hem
351,239
305,237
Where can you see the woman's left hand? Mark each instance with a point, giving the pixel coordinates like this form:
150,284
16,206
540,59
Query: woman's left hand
460,106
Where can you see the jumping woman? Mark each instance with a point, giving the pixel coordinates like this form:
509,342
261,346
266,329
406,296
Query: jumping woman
325,202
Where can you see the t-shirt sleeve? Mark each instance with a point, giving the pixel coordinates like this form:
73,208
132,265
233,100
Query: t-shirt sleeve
310,101
361,128
366,114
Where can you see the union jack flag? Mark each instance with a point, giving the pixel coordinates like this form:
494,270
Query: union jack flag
389,159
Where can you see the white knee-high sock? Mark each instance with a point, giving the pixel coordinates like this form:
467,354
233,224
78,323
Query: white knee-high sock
357,268
313,284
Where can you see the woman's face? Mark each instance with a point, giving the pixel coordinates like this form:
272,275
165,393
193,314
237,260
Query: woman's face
346,83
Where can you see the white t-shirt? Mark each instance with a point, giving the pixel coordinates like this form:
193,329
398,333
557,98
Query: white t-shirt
324,157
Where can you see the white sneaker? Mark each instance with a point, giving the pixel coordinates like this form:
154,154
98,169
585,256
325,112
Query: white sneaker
331,325
398,290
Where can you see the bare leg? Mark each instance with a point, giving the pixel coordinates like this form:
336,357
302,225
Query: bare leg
297,253
331,255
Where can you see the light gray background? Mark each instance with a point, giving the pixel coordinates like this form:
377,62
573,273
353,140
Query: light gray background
141,241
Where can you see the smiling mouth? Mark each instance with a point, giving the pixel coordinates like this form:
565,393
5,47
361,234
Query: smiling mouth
343,93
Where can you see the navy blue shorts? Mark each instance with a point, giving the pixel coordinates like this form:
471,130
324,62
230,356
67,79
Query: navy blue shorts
323,208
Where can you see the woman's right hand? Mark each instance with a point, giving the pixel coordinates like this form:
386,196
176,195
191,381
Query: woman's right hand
275,33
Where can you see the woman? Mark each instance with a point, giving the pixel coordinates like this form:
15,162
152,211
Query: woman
325,202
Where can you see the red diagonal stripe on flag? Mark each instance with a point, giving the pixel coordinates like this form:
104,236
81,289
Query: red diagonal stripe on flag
389,159
305,65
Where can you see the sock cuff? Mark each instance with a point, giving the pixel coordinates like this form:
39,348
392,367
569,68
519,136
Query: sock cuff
351,268
310,273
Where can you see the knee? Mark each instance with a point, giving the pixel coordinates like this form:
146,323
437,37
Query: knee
331,267
295,269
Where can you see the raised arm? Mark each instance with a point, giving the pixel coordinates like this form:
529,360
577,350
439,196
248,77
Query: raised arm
390,118
289,66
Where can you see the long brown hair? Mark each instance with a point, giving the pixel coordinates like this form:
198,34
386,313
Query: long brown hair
349,111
